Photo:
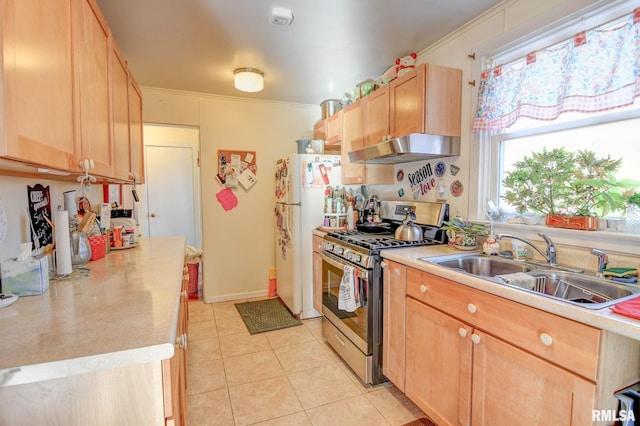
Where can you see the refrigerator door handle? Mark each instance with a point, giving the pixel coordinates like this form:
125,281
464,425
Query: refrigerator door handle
288,204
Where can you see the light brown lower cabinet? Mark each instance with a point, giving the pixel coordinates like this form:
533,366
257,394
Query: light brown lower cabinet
317,273
472,358
152,393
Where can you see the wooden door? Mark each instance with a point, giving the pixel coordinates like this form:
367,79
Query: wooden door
38,85
92,52
438,364
352,139
393,320
136,131
120,113
407,103
511,386
376,116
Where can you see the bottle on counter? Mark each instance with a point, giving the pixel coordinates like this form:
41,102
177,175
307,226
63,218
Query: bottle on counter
350,218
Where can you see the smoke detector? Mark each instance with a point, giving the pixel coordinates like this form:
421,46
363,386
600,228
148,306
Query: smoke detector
282,17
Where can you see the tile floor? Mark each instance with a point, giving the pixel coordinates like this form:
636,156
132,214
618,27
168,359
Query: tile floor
285,377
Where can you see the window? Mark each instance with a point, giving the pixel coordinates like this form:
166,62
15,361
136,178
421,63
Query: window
609,132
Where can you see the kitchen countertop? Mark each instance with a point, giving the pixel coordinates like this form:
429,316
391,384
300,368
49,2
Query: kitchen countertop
599,318
124,313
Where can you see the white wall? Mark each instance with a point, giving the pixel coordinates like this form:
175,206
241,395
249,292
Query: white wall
239,244
13,193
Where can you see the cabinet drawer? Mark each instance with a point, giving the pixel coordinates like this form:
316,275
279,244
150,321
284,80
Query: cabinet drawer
562,341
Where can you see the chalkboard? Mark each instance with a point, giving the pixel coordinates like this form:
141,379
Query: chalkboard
40,216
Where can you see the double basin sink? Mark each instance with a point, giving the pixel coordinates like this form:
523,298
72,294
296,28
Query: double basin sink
554,282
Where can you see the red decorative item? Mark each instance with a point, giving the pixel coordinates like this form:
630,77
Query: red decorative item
586,223
580,39
98,246
227,198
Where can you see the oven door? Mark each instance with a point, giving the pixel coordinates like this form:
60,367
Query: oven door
356,325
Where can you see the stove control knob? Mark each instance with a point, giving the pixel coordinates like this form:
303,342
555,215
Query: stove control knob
338,250
327,246
357,257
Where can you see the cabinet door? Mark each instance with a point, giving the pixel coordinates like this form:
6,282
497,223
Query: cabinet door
438,364
376,116
511,386
92,99
37,83
352,139
136,131
120,113
334,128
407,103
393,322
317,280
319,131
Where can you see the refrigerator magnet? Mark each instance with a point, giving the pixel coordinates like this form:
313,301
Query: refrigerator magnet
456,188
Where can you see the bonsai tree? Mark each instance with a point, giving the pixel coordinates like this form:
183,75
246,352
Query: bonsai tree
541,183
561,182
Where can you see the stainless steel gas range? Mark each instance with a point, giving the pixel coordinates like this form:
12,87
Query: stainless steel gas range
352,315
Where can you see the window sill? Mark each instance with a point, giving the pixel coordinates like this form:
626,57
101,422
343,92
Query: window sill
618,242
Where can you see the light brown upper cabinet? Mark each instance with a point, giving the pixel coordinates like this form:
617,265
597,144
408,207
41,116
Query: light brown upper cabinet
319,131
135,131
334,128
376,115
126,104
426,100
64,92
120,114
36,108
92,53
354,129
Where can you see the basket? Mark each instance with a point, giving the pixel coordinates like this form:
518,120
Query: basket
98,246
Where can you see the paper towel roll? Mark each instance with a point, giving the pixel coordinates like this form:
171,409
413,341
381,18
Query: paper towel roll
63,243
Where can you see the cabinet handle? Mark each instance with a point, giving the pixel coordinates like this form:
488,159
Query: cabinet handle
183,294
462,332
383,264
339,339
181,341
472,308
423,288
546,339
475,338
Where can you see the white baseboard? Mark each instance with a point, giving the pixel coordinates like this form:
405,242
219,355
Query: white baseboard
237,296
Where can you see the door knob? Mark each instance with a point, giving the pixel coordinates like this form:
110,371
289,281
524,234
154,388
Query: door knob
152,215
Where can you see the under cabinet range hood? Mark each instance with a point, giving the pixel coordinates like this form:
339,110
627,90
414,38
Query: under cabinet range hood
412,147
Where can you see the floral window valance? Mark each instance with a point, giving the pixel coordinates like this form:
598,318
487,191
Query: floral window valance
595,71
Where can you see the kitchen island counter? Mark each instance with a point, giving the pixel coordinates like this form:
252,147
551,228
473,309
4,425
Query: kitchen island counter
603,318
125,313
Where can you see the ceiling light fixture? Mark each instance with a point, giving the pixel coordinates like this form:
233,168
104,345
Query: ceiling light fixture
248,79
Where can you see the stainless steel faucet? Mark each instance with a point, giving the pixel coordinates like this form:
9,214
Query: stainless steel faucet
603,259
549,256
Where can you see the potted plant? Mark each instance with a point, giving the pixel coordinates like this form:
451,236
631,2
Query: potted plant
571,189
463,234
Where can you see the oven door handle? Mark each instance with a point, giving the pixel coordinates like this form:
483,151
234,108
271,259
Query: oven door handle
340,264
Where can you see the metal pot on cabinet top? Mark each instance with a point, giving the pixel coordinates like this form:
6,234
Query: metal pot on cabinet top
330,107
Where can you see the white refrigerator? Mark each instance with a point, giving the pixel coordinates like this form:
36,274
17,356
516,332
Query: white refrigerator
301,181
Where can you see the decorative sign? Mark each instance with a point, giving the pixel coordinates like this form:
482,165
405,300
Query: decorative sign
440,169
232,164
422,181
40,216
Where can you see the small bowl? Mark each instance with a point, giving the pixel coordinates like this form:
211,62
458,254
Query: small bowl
530,219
